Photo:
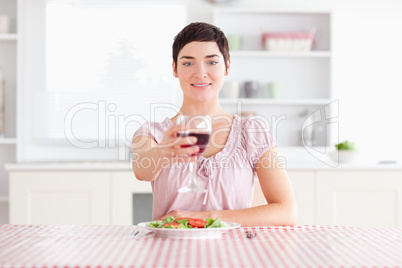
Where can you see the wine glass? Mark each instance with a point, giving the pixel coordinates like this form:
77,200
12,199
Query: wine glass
200,127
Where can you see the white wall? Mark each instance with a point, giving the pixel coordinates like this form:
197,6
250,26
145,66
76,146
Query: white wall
367,59
366,77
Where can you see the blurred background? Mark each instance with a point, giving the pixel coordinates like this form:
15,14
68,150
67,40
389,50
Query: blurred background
78,77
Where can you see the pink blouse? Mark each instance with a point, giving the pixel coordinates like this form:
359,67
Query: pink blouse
229,175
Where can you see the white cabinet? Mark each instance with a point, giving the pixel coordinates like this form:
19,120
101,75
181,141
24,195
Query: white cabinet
109,197
8,65
102,197
304,76
360,198
78,197
106,195
60,198
304,188
123,188
365,197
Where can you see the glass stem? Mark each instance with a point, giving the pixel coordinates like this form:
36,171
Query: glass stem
193,171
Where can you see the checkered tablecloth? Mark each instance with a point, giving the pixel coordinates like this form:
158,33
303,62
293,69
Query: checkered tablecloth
63,246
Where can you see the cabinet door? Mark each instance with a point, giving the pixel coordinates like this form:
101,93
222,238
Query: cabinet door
304,187
59,198
130,199
360,198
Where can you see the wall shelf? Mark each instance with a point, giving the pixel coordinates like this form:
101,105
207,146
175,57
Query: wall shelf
271,54
253,10
275,101
8,141
4,198
8,37
9,43
303,77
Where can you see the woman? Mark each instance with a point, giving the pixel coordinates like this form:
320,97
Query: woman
238,149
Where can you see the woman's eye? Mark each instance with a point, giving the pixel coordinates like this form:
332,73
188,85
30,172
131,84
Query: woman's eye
212,62
187,64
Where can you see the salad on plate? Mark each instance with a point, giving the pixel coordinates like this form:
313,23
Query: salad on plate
188,223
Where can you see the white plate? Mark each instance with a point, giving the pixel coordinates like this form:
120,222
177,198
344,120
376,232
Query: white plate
189,233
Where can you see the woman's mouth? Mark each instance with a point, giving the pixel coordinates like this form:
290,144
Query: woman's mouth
201,85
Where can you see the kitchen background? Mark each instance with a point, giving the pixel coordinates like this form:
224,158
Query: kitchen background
80,76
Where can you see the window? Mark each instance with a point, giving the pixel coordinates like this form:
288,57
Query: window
91,71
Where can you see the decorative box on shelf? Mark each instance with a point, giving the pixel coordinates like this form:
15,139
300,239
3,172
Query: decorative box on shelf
288,41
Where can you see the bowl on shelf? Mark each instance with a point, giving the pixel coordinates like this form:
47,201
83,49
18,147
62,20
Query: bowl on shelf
344,156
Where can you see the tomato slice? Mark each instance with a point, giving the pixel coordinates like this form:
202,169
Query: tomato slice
173,224
197,223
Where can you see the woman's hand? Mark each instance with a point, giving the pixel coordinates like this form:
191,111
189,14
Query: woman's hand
149,157
176,149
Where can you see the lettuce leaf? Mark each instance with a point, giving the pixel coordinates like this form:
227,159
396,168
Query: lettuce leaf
168,219
184,221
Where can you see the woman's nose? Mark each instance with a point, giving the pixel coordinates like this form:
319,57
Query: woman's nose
200,72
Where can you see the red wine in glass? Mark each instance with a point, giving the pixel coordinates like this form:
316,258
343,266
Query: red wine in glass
202,139
199,126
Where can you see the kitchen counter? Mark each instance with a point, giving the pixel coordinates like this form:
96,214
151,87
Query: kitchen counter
293,158
112,246
59,166
125,166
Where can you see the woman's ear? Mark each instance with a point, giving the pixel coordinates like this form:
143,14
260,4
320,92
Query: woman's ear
227,67
174,70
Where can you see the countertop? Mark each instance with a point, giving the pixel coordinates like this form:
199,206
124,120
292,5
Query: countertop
125,166
292,158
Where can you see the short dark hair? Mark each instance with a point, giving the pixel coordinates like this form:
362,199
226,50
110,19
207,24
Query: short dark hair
201,32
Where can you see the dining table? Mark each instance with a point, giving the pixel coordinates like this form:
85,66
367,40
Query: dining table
130,246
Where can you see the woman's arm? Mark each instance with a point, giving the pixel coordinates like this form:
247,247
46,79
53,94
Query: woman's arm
278,191
149,157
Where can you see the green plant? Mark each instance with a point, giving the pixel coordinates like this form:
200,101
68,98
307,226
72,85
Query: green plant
346,145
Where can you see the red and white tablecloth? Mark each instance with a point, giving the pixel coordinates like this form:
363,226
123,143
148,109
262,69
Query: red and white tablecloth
63,246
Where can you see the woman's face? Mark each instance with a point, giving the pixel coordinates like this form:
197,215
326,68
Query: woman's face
201,70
